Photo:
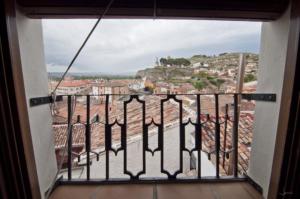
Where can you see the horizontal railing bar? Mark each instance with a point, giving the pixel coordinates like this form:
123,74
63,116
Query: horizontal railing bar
222,179
159,94
44,100
248,96
259,97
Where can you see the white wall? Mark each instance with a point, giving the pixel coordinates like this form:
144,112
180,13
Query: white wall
273,50
36,80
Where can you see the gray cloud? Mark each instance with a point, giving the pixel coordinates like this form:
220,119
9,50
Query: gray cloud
120,46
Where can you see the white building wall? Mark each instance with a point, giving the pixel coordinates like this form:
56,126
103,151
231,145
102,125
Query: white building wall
69,90
36,85
95,90
273,50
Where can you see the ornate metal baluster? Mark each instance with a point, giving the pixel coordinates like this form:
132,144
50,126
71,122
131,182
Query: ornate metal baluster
144,137
107,137
161,136
87,137
217,135
235,135
225,136
198,135
124,135
124,142
181,136
69,138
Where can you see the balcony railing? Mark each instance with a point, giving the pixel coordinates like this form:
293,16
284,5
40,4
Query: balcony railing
198,119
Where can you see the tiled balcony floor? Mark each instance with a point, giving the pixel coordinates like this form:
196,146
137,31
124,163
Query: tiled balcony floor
232,190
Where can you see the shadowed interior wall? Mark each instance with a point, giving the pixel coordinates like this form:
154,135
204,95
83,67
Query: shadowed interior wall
36,85
272,66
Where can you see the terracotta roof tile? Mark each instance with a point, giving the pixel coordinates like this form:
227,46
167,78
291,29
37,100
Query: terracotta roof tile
244,140
134,123
74,83
171,115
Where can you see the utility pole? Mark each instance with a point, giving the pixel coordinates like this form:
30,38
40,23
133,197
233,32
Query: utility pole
241,73
238,89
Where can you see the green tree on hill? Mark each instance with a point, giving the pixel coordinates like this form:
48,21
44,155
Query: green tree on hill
217,82
199,85
249,78
200,75
174,61
210,78
163,61
203,74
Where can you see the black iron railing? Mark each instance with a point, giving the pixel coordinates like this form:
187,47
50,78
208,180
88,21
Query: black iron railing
197,125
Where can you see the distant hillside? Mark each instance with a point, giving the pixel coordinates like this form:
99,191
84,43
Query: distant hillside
58,75
164,73
223,60
219,62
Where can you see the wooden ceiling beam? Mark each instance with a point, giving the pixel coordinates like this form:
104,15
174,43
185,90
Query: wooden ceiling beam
187,9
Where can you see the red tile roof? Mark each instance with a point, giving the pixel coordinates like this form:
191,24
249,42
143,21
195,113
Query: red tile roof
134,123
171,115
245,134
60,135
74,83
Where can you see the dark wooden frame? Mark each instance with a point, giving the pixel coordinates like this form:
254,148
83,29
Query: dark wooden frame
286,127
17,165
289,180
217,9
18,173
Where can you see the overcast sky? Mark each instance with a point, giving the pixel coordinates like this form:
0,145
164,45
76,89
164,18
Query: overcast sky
121,46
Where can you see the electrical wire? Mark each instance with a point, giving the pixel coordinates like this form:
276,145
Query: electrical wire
74,104
83,44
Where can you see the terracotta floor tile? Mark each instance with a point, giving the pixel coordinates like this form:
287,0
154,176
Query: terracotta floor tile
104,192
184,191
236,190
